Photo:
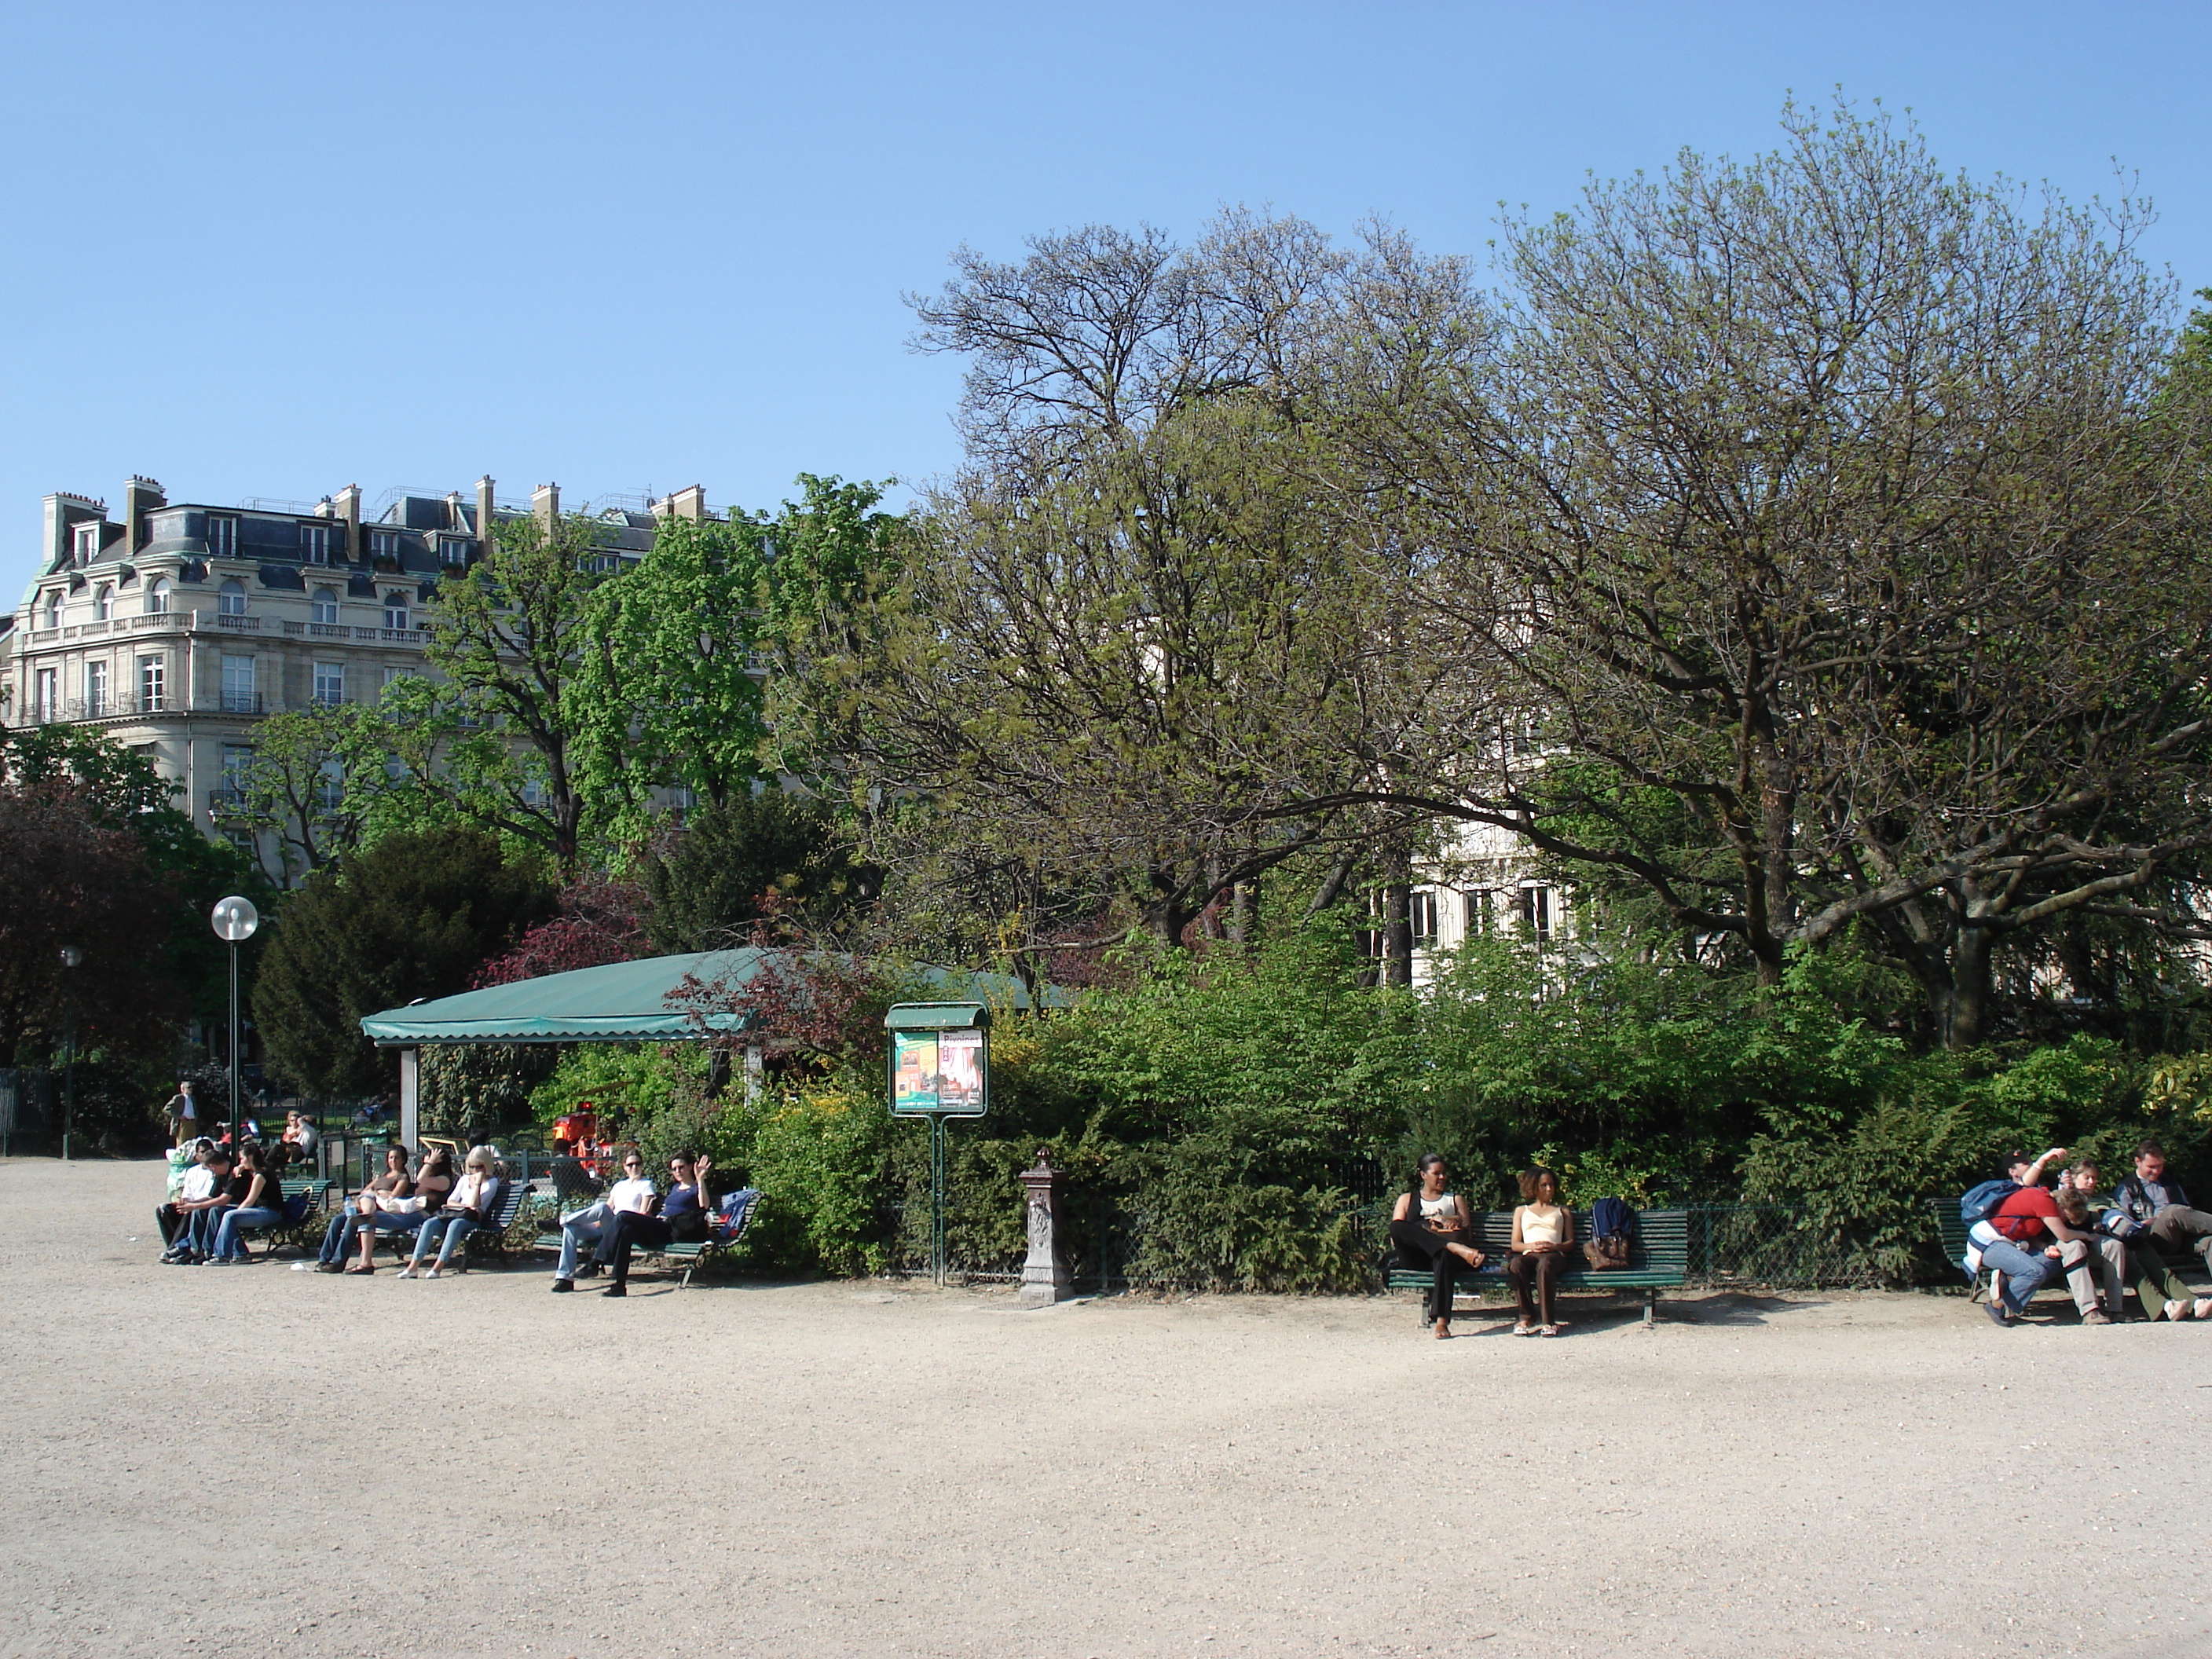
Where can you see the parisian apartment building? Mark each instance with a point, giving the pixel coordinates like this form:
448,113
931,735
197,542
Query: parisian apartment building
177,626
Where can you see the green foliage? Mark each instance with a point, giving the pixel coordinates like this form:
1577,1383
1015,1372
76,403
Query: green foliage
412,917
729,864
629,1085
470,1089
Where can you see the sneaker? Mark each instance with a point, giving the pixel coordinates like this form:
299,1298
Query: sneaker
409,1272
330,1266
615,1289
303,1267
2096,1316
563,1285
430,1273
1999,1317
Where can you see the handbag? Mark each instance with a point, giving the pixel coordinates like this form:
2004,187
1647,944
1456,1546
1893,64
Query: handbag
1610,1252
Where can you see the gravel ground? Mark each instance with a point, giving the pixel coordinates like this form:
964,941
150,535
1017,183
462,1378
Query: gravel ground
251,1460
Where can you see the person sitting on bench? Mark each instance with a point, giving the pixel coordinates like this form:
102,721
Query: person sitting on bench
197,1216
473,1202
2157,1287
405,1214
1433,1227
397,1182
2033,1242
257,1200
1543,1239
680,1218
195,1187
2153,1198
579,1227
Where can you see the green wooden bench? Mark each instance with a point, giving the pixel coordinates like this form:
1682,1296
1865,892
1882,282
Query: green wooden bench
670,1255
1658,1258
284,1231
1951,1231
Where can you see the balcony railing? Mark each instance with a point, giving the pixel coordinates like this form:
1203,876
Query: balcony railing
227,803
202,622
241,702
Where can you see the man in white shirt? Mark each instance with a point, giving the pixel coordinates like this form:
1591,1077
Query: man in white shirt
192,1193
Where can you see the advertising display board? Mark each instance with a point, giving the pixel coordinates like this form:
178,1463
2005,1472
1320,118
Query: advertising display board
936,1072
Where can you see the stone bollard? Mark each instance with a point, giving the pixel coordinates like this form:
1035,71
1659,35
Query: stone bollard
1045,1278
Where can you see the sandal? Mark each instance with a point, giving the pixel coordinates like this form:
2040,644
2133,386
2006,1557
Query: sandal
1551,1330
1524,1329
358,1268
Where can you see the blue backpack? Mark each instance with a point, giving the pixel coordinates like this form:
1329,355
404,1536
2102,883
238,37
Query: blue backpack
1611,1217
1981,1203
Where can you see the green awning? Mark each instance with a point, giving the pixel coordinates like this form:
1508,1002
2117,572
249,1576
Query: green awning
628,1002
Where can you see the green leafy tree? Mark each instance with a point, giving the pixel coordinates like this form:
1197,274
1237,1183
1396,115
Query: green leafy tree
411,917
776,851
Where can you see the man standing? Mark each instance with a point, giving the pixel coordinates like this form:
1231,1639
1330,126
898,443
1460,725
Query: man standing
2033,1241
2153,1198
183,1113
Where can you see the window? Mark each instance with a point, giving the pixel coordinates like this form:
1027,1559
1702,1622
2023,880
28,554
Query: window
87,543
53,610
238,691
240,837
393,675
1478,914
230,600
533,791
324,607
315,543
452,552
1537,911
96,689
395,609
1425,920
384,544
330,786
47,699
103,604
157,597
237,762
152,679
221,537
329,683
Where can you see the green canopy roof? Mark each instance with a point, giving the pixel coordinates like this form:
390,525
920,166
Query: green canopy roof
625,1002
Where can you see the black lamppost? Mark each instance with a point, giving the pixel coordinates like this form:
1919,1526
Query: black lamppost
234,920
72,958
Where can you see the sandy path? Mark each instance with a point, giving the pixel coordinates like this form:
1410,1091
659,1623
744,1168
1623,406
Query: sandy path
874,1469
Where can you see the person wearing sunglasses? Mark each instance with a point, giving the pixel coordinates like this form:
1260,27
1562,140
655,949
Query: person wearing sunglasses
648,1219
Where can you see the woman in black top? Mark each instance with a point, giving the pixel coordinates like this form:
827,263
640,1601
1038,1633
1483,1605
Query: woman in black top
404,1215
1434,1227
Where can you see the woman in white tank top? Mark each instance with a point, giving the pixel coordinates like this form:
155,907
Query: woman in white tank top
1432,1226
1543,1238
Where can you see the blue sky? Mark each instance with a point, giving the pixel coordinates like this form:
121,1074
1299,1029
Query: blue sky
270,250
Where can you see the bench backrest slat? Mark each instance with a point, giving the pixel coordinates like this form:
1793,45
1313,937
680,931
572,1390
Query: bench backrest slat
1660,1242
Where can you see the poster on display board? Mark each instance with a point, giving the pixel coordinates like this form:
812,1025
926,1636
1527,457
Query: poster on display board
939,1072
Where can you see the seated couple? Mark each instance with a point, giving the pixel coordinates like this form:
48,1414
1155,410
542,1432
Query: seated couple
439,1210
1435,1225
632,1213
217,1198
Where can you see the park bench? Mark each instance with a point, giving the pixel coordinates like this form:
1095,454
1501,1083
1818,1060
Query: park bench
286,1228
512,1194
1951,1229
735,1215
1658,1258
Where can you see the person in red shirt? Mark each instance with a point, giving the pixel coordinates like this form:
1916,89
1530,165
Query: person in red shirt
2038,1238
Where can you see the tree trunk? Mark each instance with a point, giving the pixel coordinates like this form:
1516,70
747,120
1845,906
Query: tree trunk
1398,916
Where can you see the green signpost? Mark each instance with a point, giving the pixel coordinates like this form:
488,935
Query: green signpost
939,1067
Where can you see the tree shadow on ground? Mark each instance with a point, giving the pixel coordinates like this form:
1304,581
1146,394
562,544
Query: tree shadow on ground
1733,1307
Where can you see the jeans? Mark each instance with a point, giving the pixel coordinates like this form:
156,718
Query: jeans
228,1244
338,1237
454,1229
587,1225
2088,1268
2024,1271
196,1230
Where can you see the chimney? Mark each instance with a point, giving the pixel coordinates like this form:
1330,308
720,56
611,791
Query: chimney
64,511
688,503
545,504
485,512
140,496
349,506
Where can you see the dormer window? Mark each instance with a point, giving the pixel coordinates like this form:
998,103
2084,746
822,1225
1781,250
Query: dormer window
324,607
221,537
395,609
157,597
103,604
384,544
87,543
315,543
230,600
454,553
53,610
